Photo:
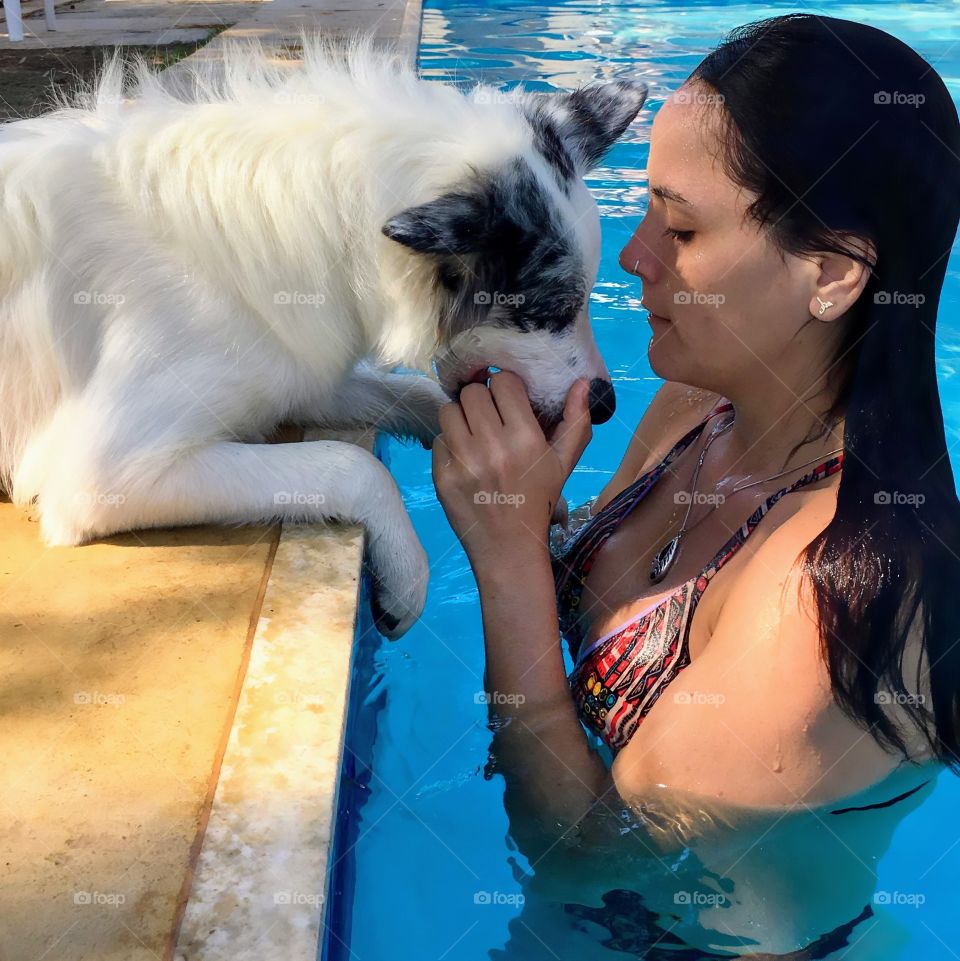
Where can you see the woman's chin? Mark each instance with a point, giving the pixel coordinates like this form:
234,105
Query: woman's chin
663,363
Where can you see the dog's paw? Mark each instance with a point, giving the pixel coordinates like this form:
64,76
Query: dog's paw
65,521
399,589
395,613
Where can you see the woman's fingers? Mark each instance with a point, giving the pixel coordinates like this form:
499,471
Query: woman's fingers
573,433
479,409
511,399
454,440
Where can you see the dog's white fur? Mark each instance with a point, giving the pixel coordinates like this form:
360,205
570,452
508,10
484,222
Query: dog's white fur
176,278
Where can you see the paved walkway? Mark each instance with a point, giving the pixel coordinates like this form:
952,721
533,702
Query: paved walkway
83,23
149,23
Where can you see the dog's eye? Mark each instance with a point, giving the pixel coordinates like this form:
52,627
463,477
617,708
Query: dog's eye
682,236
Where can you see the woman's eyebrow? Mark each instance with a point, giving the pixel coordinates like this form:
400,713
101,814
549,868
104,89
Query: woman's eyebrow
665,193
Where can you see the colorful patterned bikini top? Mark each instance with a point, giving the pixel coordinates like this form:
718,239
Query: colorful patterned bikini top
617,678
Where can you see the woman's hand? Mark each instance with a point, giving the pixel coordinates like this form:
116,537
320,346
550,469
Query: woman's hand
497,476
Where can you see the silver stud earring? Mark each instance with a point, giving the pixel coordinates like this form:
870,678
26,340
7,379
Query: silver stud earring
824,304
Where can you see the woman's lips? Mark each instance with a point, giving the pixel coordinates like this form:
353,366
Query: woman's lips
653,316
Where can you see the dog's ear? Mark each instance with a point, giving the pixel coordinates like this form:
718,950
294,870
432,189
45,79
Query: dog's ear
456,223
587,122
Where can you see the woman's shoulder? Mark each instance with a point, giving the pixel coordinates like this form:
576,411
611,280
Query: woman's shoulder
773,601
675,409
753,716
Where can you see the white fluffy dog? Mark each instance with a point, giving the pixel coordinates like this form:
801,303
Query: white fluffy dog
184,268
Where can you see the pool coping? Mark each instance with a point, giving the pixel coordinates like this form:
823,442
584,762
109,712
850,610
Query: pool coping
262,858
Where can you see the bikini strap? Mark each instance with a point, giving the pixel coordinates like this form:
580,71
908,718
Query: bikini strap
822,470
825,469
585,542
635,491
719,409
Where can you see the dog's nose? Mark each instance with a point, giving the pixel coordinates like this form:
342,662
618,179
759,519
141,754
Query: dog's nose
603,401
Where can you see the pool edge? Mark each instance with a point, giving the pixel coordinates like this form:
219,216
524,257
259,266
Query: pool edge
262,861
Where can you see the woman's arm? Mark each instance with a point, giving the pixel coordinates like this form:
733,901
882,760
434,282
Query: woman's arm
553,778
499,480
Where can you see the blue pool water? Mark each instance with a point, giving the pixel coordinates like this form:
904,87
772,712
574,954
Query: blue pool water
424,866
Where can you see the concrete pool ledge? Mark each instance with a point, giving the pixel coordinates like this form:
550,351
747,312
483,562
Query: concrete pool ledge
174,704
260,878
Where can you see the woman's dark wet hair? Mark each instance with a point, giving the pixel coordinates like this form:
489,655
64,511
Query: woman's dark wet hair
842,131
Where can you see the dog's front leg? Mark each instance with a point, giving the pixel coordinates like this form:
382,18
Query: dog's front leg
405,405
234,483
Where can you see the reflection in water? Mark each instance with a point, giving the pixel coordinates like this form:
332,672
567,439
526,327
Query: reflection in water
682,876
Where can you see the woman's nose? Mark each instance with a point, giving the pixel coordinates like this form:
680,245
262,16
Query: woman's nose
639,259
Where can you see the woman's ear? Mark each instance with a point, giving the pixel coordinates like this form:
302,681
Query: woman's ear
841,279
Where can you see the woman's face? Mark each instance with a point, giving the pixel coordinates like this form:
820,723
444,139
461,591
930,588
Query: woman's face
728,301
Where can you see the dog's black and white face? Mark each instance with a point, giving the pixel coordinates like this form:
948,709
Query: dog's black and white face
516,252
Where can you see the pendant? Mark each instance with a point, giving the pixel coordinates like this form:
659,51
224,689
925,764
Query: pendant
661,563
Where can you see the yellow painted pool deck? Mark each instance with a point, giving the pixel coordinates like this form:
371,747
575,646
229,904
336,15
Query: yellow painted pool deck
172,706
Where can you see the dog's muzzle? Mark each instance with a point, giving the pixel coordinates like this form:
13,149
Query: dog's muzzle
602,402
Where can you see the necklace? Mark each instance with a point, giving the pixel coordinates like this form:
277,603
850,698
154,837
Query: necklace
667,554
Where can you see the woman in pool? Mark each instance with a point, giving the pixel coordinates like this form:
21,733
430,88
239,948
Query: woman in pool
804,188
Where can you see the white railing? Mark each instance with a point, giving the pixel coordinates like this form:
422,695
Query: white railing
15,20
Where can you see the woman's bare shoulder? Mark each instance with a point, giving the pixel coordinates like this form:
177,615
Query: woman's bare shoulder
674,409
753,717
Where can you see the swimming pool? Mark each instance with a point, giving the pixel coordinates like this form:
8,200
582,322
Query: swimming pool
424,869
